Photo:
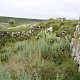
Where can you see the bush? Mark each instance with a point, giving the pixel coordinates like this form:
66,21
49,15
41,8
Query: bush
12,22
66,30
4,75
56,27
40,60
44,58
56,51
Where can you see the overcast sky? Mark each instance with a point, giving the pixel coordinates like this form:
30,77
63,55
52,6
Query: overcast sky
40,9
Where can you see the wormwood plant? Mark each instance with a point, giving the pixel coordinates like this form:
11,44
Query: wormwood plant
41,59
59,77
4,75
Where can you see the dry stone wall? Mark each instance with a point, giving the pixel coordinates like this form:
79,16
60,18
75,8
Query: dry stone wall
6,34
75,46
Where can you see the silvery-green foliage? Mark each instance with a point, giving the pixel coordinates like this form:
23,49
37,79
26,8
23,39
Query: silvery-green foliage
41,34
5,55
50,38
4,75
59,77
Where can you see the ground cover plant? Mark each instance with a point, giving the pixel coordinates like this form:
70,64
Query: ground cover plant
43,56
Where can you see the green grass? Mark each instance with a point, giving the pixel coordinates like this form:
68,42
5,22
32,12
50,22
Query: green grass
18,20
15,29
39,60
42,57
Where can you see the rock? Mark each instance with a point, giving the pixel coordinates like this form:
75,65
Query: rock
58,38
18,26
79,69
30,31
71,44
13,34
75,46
50,29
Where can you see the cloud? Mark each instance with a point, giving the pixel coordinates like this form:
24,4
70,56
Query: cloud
40,8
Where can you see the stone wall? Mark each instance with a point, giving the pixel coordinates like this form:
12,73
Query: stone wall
24,34
75,46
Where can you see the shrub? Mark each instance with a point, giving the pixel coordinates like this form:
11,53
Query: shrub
11,22
5,54
56,51
46,58
50,38
55,27
4,75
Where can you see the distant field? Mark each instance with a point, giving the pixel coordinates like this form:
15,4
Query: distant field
18,20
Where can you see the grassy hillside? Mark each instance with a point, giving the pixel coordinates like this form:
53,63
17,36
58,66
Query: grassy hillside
18,20
41,56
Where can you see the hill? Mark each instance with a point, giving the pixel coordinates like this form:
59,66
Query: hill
18,20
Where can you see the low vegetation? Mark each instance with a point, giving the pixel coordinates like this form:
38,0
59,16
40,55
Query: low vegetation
18,20
44,56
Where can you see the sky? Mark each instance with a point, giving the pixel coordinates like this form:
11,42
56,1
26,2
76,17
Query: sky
40,9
